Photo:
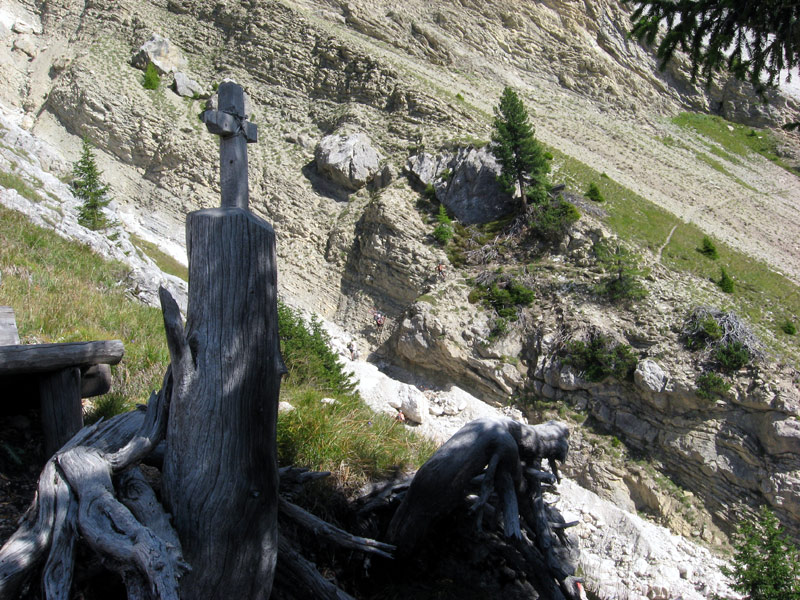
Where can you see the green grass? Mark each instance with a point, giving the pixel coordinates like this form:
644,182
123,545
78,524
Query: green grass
718,166
13,181
345,437
760,293
61,291
164,261
734,138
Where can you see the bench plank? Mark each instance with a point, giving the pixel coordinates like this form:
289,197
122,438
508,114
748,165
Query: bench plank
8,326
42,358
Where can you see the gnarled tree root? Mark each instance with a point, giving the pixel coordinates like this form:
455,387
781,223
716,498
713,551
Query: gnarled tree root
76,496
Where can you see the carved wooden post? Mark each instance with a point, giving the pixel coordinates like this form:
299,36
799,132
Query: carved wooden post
220,469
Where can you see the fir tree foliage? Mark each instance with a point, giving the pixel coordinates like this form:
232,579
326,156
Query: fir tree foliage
151,80
766,565
444,230
755,41
521,157
88,187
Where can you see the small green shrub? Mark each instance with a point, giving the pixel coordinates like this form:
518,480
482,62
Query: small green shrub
788,327
442,217
706,331
446,175
725,282
599,358
460,97
152,80
623,281
305,347
552,220
504,300
710,384
499,328
732,356
443,234
444,230
594,193
707,248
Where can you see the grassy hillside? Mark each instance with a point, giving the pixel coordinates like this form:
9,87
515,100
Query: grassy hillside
62,291
766,298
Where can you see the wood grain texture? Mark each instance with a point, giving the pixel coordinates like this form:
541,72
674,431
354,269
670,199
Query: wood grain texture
42,358
220,471
60,403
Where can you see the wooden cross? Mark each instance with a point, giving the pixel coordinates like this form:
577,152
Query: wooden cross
230,122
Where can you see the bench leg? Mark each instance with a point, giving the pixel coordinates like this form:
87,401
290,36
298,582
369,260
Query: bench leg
60,401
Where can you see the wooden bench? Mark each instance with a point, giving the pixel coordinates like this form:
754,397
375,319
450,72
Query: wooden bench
62,374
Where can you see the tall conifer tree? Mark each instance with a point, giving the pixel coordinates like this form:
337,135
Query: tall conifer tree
766,565
521,157
88,187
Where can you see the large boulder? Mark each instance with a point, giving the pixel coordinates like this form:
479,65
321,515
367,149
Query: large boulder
165,56
465,182
348,160
185,86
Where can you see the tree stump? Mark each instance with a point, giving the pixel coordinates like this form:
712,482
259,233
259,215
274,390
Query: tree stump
220,468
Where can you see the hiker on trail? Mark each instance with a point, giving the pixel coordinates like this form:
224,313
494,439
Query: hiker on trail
380,319
353,350
440,270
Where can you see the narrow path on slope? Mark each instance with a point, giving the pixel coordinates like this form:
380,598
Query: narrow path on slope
666,243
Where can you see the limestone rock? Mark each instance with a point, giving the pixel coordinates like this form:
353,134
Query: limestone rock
27,45
185,86
471,192
466,182
413,403
650,376
348,160
163,54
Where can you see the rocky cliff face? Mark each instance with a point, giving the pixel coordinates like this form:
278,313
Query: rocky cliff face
420,80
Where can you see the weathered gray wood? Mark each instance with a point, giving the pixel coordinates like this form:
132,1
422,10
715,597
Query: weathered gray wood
60,403
111,530
152,430
95,380
43,358
220,472
230,123
440,484
51,522
333,534
57,576
27,546
299,575
8,327
137,495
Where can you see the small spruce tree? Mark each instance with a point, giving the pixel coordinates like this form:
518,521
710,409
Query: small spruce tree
766,565
726,282
708,248
444,230
593,193
522,160
88,187
151,79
